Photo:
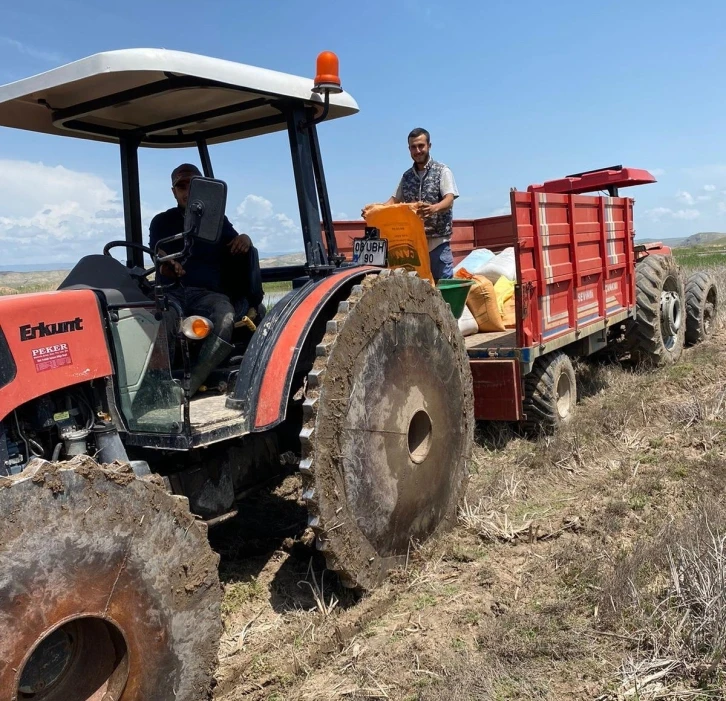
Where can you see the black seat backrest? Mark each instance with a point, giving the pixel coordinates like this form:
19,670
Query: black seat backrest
241,277
106,276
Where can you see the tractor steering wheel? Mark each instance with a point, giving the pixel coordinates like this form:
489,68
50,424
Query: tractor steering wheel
139,247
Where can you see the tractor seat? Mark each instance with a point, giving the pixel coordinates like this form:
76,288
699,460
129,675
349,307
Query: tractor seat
106,276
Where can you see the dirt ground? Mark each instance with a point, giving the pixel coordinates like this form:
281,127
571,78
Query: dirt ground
547,589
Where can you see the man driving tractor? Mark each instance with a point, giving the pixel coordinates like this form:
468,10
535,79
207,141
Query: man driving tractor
201,284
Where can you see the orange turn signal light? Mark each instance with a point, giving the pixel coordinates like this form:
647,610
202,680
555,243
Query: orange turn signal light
327,73
196,327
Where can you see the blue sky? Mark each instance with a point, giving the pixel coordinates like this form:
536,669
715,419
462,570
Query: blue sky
512,93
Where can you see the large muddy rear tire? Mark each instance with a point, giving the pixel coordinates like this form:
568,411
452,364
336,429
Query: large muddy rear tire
657,335
109,589
389,427
701,307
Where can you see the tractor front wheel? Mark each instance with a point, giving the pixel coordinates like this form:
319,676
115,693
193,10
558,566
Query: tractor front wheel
109,589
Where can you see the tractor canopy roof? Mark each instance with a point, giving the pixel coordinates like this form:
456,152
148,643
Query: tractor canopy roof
159,98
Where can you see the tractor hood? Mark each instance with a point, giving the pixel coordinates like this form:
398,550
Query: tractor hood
48,341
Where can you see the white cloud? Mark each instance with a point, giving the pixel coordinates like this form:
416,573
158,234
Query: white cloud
52,214
684,196
657,172
686,214
270,231
658,213
31,51
709,188
500,212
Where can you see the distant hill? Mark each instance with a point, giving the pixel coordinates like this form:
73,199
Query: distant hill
668,242
706,238
30,281
282,260
703,238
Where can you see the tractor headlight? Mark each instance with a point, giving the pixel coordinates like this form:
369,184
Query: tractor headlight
196,327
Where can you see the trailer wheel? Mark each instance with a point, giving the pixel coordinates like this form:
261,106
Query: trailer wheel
701,307
657,335
550,393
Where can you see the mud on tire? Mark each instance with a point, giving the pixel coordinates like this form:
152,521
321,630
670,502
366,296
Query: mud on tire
701,307
550,393
389,427
108,588
657,335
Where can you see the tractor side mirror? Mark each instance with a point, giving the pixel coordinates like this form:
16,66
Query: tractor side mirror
205,209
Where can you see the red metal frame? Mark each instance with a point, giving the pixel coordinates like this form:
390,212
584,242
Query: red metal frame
595,181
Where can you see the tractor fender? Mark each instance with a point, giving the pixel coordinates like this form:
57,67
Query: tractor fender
276,356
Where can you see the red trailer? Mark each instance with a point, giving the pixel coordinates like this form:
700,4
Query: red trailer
581,281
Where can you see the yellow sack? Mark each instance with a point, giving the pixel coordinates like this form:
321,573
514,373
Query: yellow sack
504,289
407,244
482,302
509,315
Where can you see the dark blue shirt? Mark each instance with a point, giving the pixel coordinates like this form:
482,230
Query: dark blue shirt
204,265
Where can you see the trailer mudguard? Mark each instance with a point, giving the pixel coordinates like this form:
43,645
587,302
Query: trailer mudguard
273,360
50,340
497,390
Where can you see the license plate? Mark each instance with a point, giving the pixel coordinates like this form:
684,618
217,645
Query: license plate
370,251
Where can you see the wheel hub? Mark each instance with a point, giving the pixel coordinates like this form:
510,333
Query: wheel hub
419,436
402,423
48,662
82,660
563,396
708,315
671,313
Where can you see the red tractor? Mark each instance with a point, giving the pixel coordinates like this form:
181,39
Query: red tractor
111,472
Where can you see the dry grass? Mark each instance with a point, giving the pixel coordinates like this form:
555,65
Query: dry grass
668,597
323,606
586,565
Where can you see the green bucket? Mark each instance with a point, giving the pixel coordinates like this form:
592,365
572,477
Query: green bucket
455,291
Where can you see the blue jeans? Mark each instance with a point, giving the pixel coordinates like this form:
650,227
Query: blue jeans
442,262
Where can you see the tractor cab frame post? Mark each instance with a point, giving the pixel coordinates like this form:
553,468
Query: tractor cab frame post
204,158
310,191
132,199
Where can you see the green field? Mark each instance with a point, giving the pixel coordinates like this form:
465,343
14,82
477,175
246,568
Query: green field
275,287
700,256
